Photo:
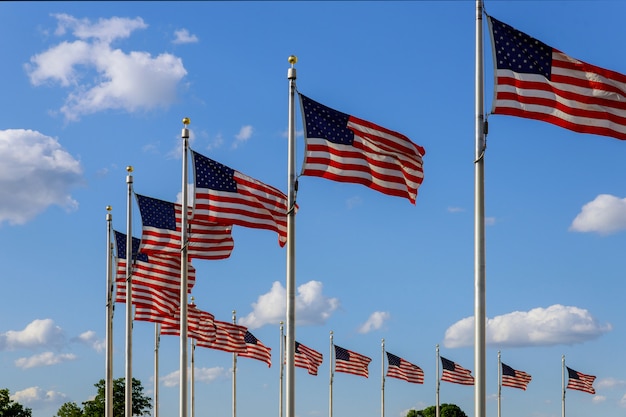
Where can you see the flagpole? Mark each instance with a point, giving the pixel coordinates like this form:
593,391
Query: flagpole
382,378
499,384
183,277
128,391
563,385
437,384
479,224
281,345
234,373
290,345
331,358
157,340
193,379
108,390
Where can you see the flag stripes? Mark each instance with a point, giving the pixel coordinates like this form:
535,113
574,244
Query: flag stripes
351,362
455,373
580,382
514,378
402,369
307,358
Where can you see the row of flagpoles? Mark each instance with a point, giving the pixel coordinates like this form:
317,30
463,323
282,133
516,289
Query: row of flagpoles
533,80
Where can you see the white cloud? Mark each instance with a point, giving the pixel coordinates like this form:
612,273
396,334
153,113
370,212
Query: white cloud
44,359
312,306
183,36
35,173
622,401
604,215
38,333
244,134
130,81
598,399
554,325
35,397
206,375
610,383
90,339
375,321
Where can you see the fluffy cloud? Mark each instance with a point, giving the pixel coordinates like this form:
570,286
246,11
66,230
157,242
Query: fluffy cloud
130,81
312,306
90,339
244,134
44,359
38,333
183,36
206,375
375,321
35,173
554,325
604,215
35,397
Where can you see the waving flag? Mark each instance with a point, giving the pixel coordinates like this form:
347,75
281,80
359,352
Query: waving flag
226,196
579,381
161,232
308,358
229,337
256,350
401,369
344,148
200,324
513,378
455,373
536,81
351,362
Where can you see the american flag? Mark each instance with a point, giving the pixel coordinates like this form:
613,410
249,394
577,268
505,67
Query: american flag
351,362
580,381
161,232
455,373
226,196
200,324
229,337
156,281
401,369
513,378
307,358
344,148
536,81
256,350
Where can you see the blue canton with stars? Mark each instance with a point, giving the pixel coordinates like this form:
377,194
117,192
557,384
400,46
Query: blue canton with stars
342,354
120,243
326,123
393,359
157,213
519,52
250,339
213,175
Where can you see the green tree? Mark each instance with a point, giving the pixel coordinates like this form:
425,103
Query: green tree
445,410
70,410
96,407
10,408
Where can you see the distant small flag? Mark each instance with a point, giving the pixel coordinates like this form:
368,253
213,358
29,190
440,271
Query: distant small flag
307,358
226,196
200,324
161,232
351,362
455,373
401,369
229,337
579,381
344,148
536,81
256,350
514,378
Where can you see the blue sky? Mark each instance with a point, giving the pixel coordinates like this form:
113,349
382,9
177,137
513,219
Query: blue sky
91,87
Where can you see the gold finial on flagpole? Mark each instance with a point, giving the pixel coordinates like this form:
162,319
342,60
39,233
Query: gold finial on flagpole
292,59
109,208
129,169
186,121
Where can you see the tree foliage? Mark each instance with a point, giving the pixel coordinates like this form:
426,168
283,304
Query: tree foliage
96,407
10,408
445,410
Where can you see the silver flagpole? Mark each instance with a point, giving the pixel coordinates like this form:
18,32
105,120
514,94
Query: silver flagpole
290,344
382,378
157,341
108,385
499,384
331,361
563,385
183,278
193,379
479,225
234,373
128,392
282,368
437,411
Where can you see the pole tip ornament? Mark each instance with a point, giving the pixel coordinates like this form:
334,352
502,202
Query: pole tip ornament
186,121
129,169
109,208
292,59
